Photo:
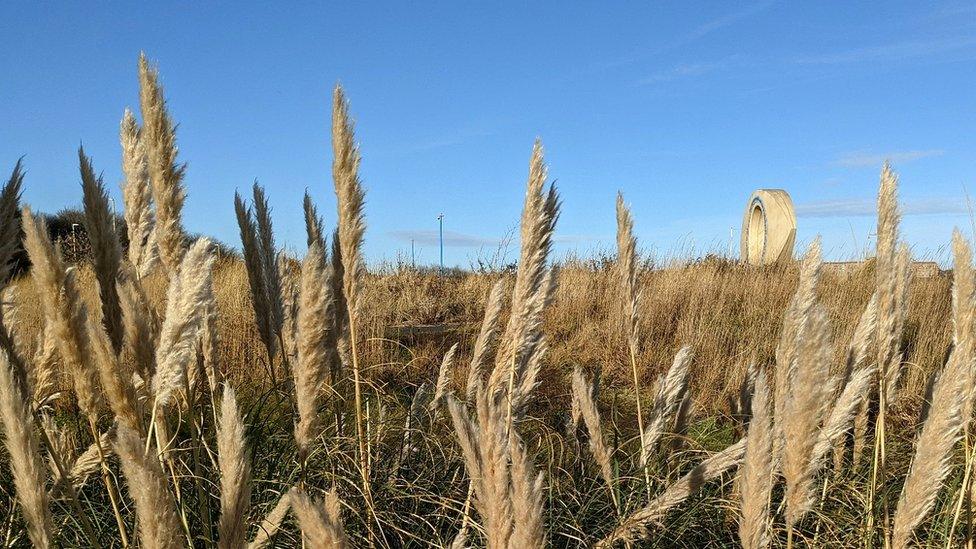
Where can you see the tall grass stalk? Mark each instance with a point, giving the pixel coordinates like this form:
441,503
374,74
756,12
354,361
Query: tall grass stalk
630,302
350,200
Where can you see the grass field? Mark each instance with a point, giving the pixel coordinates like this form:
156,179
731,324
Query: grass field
268,401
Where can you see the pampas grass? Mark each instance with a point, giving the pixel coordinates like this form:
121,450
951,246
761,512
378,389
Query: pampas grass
25,458
508,492
441,389
235,475
315,341
119,391
64,311
756,475
140,329
350,200
636,525
804,410
522,344
486,338
314,229
943,426
10,222
166,175
670,393
185,312
629,298
106,250
137,196
584,400
272,522
268,263
320,522
261,298
157,519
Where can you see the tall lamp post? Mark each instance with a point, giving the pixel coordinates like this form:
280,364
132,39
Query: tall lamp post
440,230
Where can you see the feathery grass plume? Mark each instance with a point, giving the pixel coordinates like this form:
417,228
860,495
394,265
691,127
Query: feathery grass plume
166,175
210,341
486,448
10,238
963,292
798,309
320,522
630,304
119,391
444,377
82,467
507,493
260,297
314,229
943,426
522,343
10,222
340,359
756,473
886,271
635,526
316,340
44,369
860,343
137,196
671,389
106,250
290,283
350,200
486,337
185,310
584,400
848,409
804,410
140,328
272,522
903,275
526,492
159,524
25,457
268,256
64,311
235,474
845,408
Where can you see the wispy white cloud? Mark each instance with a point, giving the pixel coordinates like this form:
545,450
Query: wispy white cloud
721,22
452,239
892,52
857,207
691,70
692,36
862,159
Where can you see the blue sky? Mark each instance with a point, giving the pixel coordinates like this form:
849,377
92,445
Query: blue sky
684,108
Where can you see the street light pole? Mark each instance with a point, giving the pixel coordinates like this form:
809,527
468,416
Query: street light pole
440,227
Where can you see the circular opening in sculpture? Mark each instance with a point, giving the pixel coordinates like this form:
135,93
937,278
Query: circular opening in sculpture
757,233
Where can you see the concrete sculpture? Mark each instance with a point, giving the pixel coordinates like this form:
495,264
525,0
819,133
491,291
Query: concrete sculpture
768,228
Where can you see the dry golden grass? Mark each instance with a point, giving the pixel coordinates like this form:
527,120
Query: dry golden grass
728,313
